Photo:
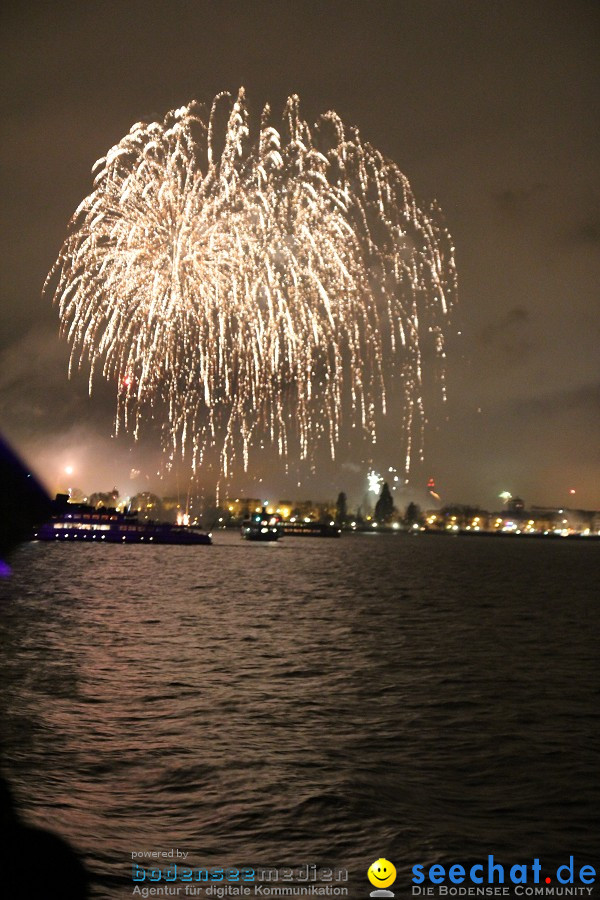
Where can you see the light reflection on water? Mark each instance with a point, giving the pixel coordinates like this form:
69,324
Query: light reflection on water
424,699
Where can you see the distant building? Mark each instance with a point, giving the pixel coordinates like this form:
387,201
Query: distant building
241,507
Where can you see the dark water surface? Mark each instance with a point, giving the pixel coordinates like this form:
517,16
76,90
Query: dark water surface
315,701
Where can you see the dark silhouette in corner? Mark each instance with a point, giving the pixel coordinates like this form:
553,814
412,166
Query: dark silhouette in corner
36,864
23,501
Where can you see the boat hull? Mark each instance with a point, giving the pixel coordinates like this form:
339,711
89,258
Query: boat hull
269,535
156,535
311,529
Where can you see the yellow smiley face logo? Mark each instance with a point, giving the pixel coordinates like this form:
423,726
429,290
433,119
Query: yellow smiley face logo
382,873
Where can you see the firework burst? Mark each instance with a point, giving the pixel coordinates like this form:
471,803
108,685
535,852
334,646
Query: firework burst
268,289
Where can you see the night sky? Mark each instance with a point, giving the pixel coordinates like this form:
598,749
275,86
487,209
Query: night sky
489,108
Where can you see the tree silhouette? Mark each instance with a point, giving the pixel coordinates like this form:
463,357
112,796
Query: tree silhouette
384,508
412,514
341,508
